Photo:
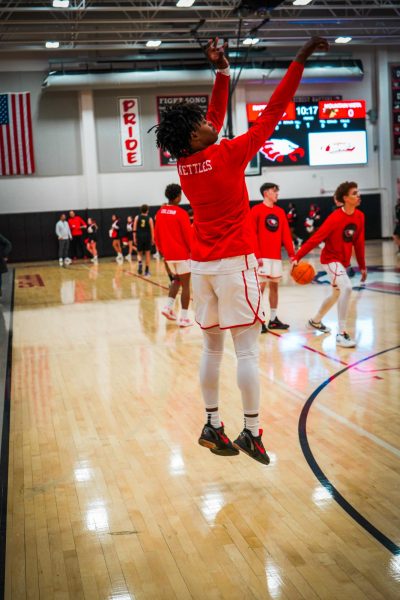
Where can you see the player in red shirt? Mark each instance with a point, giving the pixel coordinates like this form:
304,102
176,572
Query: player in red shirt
225,284
343,229
172,236
78,227
272,230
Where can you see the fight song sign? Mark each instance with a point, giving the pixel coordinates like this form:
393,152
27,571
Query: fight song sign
129,123
163,102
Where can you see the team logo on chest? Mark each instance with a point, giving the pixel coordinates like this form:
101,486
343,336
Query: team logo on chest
272,222
349,232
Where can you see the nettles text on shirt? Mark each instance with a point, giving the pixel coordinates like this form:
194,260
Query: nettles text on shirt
195,168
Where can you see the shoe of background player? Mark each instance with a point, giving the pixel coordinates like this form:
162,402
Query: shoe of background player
343,339
168,313
319,326
215,439
277,324
252,446
264,328
185,322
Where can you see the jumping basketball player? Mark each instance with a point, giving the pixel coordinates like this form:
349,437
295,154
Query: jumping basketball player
343,229
225,285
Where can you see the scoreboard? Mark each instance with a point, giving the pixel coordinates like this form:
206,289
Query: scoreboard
320,133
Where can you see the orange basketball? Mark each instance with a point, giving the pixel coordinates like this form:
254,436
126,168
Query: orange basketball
303,273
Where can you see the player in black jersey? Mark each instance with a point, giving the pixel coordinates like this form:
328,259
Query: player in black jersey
143,238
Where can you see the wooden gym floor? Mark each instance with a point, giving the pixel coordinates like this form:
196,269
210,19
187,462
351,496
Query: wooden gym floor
110,496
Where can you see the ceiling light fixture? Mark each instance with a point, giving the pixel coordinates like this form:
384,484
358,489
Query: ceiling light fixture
250,41
185,3
52,44
60,3
301,2
343,40
153,43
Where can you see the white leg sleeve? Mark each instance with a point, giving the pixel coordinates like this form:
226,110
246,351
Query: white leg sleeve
210,363
245,340
344,284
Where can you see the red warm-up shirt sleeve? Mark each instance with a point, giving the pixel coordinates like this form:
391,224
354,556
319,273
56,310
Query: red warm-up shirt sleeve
157,236
219,101
255,222
245,146
287,237
359,243
186,228
318,237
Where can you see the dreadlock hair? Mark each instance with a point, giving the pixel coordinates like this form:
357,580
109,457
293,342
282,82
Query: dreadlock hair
343,189
172,191
177,124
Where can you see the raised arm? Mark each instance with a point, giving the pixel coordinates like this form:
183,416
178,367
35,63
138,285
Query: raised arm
220,93
265,124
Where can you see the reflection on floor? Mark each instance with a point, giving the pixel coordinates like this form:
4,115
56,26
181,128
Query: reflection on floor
110,496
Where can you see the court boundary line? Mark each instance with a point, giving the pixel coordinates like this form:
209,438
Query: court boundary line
5,447
320,475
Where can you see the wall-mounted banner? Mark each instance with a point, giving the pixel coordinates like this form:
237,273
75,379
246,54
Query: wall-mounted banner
163,102
129,124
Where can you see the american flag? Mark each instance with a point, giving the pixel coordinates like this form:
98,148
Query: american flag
16,145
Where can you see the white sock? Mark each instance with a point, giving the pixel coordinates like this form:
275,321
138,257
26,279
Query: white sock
170,302
184,313
252,424
273,315
212,417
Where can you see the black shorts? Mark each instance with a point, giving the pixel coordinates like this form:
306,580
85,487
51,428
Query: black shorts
143,244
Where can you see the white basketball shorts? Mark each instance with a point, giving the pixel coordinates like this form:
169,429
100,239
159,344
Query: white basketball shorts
337,274
227,300
179,267
271,269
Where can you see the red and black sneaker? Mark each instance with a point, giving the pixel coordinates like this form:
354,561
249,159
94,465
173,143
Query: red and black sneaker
252,446
277,324
215,439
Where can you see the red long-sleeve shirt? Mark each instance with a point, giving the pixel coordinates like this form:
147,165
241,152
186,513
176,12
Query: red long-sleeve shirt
173,232
76,224
340,232
272,230
213,179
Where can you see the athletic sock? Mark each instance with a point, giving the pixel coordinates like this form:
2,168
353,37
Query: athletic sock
170,302
184,313
212,417
252,423
273,315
